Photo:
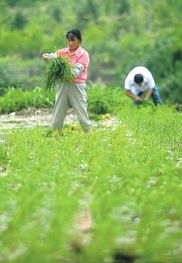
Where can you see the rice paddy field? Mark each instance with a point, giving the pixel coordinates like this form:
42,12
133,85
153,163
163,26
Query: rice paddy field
112,196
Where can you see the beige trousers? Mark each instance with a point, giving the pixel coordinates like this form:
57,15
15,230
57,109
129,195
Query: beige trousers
71,95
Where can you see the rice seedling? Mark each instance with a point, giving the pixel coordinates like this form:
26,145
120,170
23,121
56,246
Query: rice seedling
59,70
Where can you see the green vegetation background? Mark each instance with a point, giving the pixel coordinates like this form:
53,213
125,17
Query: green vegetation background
118,35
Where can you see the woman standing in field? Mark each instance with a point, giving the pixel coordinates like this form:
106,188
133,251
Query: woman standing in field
72,94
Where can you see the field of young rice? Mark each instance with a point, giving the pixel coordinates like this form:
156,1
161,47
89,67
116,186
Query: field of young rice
112,196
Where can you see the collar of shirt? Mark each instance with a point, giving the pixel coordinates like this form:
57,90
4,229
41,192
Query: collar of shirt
77,52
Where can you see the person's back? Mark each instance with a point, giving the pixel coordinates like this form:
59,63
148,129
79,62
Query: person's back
140,80
148,80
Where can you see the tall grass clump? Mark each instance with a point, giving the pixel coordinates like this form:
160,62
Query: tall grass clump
103,99
59,70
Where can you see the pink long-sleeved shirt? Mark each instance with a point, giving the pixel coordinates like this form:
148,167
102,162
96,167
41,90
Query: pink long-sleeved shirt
80,56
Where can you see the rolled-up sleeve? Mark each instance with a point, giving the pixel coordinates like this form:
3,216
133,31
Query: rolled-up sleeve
52,56
77,70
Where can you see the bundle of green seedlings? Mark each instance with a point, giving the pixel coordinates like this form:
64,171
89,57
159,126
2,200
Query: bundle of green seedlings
59,70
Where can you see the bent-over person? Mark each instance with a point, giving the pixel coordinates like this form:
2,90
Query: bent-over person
140,81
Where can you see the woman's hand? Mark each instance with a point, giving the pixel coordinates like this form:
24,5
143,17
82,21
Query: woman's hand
45,56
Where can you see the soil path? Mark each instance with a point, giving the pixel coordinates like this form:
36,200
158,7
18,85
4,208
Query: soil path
32,117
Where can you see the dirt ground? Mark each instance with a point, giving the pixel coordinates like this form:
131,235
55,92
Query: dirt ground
32,117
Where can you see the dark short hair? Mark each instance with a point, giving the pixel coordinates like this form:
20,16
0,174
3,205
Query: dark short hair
74,33
138,78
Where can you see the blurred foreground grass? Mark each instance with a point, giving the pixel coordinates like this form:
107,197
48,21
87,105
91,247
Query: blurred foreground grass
128,178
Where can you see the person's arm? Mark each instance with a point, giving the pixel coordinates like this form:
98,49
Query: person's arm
81,65
127,89
148,94
77,70
48,56
131,95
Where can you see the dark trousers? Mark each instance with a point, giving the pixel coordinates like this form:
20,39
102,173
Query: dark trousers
155,97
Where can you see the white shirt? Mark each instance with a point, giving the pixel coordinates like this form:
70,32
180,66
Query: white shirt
148,82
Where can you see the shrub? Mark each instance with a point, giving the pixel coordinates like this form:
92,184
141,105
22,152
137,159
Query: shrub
15,72
103,99
17,99
171,87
